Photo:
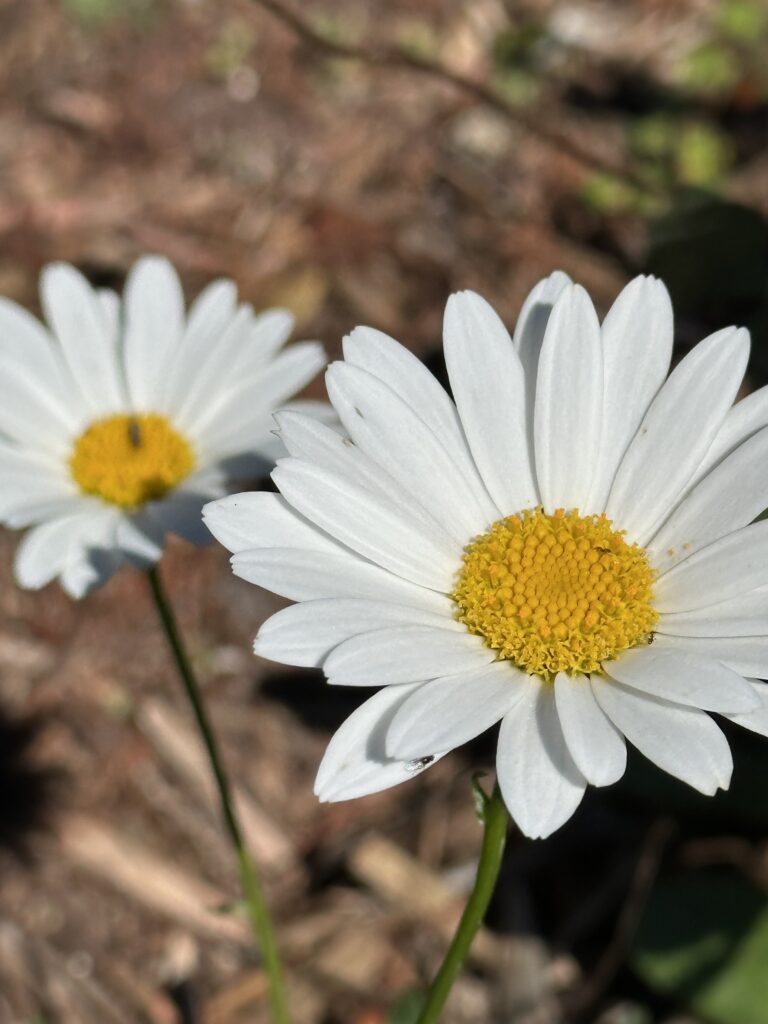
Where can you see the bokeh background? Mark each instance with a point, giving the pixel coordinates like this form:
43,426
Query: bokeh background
357,160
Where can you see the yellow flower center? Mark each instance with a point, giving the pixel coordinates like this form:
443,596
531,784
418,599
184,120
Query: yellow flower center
556,593
127,460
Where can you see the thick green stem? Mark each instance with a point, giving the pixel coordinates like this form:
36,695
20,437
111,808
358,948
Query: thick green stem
496,819
249,877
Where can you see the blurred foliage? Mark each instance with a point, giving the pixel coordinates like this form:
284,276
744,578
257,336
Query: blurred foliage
231,47
734,52
704,941
516,56
94,13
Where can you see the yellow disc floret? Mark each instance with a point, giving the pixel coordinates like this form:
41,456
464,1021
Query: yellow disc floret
556,593
127,460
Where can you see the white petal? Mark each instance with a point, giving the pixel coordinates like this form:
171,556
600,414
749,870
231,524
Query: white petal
209,314
46,549
154,320
747,655
728,567
447,712
307,575
757,720
637,349
489,389
256,519
251,398
531,327
730,497
369,524
112,311
743,420
409,378
743,615
539,781
596,746
683,678
355,763
32,362
305,634
676,433
86,336
397,439
684,742
569,402
402,654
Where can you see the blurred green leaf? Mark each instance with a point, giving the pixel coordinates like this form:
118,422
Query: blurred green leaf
744,21
407,1008
654,136
98,12
230,48
607,194
703,154
513,47
711,68
704,941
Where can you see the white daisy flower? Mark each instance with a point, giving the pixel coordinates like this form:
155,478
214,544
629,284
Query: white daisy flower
569,549
120,419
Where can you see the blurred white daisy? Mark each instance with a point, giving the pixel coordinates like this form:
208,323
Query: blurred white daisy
120,419
567,549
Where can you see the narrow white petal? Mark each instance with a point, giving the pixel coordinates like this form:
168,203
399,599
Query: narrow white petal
256,519
30,359
447,712
743,420
569,402
596,746
728,567
46,549
757,720
86,336
676,432
489,389
409,378
683,678
539,780
395,437
401,654
209,314
305,634
307,575
253,397
154,321
112,311
728,498
684,742
369,524
743,615
531,327
747,655
355,762
637,349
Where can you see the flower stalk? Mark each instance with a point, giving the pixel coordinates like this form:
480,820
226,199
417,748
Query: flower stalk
255,903
495,818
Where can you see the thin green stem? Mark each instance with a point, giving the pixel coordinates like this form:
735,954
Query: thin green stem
494,838
249,877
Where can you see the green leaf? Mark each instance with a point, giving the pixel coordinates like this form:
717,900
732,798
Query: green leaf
704,941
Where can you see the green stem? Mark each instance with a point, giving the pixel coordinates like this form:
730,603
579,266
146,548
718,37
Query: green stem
496,818
249,877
